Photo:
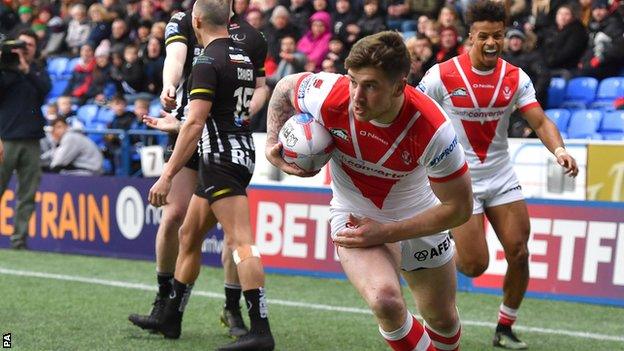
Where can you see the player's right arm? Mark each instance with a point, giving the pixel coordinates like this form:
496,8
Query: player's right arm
281,108
172,73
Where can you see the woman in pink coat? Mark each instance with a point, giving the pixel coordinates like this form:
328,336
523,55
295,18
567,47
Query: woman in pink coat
315,43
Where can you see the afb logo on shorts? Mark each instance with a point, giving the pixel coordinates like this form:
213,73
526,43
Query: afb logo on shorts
421,255
434,251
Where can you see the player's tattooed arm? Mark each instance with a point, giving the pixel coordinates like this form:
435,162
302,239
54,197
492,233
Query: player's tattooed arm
281,106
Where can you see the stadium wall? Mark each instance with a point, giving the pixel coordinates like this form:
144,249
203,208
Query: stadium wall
577,247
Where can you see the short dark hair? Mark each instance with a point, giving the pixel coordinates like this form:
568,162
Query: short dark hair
29,33
486,10
384,50
58,120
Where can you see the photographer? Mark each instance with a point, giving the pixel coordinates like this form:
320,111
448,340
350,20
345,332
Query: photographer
23,87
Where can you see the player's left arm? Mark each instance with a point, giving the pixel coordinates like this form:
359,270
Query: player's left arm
545,129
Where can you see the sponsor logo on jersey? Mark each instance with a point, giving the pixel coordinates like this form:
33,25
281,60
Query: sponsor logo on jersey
459,92
238,37
317,83
239,58
444,153
421,86
197,51
467,113
245,74
339,133
303,87
234,25
171,29
482,86
178,16
407,157
371,135
507,93
203,59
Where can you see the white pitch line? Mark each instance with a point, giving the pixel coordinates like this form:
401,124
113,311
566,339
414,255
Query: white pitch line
313,306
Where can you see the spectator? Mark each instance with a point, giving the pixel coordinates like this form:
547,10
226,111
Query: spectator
345,19
143,35
449,44
315,43
55,37
133,15
338,54
65,110
267,7
8,18
100,24
429,29
114,9
601,58
291,61
255,18
154,62
123,120
82,76
102,80
22,92
449,18
520,54
240,7
586,12
25,20
328,66
78,29
422,57
133,77
278,27
565,43
320,5
74,154
300,12
373,21
158,30
429,8
119,35
399,16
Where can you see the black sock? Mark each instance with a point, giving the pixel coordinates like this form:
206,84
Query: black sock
258,310
165,282
180,294
503,328
232,297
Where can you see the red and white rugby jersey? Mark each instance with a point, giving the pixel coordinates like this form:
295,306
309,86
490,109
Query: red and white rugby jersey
377,169
479,105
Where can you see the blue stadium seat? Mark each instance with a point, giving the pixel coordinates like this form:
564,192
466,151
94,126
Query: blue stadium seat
71,64
584,124
608,90
58,87
87,113
105,115
407,35
560,116
556,92
612,126
154,108
110,90
580,92
56,66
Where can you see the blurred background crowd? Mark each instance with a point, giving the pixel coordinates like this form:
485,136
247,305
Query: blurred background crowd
105,59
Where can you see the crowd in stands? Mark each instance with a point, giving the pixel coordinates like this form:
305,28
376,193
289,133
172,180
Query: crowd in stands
115,49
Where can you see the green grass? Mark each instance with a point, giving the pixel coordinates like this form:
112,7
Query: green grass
52,314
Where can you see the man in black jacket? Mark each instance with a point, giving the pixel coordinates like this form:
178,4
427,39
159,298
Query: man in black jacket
22,92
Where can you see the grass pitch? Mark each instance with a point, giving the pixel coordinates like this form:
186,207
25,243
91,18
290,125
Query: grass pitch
66,302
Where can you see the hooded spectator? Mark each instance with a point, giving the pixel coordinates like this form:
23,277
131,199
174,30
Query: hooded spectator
602,57
315,43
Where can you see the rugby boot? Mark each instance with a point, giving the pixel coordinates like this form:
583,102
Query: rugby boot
251,342
233,320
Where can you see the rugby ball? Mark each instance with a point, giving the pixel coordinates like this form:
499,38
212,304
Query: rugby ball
305,142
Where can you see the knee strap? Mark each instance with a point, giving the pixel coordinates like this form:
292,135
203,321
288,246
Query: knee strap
244,252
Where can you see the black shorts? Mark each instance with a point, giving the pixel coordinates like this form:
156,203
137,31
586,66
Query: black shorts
193,162
221,180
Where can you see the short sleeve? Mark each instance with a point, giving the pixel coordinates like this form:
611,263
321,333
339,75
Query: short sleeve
431,84
526,93
178,29
312,90
203,79
444,158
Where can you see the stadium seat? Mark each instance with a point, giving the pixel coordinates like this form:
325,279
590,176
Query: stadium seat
87,113
110,90
560,116
69,69
58,87
105,115
580,92
612,126
407,35
154,108
608,90
556,92
584,124
56,66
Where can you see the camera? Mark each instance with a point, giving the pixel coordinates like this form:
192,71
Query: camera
9,59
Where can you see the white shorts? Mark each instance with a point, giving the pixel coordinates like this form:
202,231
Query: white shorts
500,189
425,252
